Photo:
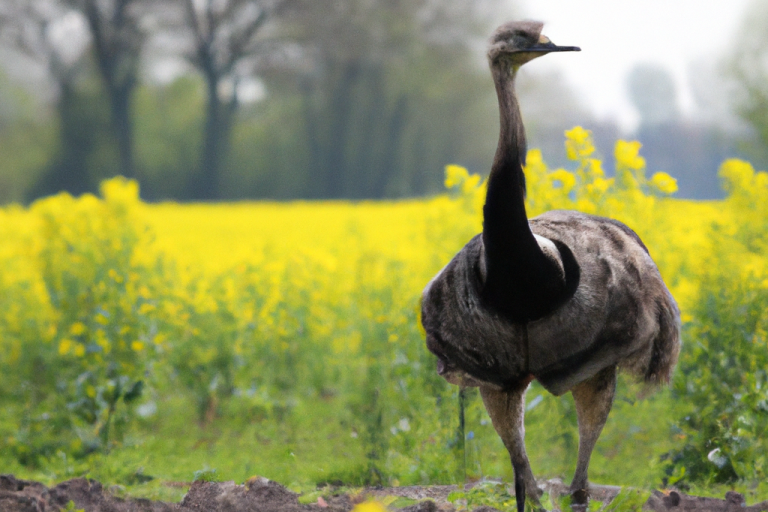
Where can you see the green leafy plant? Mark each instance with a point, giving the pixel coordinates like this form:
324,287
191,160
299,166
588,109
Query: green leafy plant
205,475
628,500
723,374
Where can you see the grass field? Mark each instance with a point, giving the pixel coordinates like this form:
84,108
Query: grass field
142,343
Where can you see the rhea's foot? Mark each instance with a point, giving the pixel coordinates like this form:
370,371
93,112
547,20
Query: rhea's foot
579,500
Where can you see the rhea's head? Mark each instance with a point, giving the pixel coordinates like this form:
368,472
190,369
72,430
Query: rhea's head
518,42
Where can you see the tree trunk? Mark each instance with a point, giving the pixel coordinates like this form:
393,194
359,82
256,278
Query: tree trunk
334,166
390,165
312,127
419,178
71,166
122,127
69,170
208,182
366,141
218,126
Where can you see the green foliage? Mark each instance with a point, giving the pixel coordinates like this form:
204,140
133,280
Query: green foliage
26,143
342,124
257,149
723,380
81,151
202,354
497,495
80,384
307,364
168,136
359,128
205,475
71,507
628,500
485,494
749,71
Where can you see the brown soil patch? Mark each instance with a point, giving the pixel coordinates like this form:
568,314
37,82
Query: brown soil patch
262,495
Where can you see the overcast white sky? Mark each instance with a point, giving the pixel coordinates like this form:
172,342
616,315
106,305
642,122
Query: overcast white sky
614,35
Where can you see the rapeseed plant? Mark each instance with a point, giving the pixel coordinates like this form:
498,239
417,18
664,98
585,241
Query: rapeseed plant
279,313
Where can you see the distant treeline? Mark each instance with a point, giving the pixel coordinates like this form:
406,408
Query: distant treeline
273,98
281,99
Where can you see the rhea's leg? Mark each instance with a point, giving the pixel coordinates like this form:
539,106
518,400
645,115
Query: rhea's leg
593,399
506,409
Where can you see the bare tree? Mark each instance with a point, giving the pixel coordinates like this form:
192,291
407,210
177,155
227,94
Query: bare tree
369,86
39,29
226,48
117,41
54,36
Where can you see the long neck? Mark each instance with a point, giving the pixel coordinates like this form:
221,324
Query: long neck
520,280
505,228
510,153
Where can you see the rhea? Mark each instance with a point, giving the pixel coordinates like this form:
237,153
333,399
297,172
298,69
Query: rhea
565,298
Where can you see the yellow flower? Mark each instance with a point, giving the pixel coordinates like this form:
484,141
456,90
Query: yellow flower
664,183
470,184
115,276
65,346
630,166
578,143
628,155
566,179
79,350
455,175
369,506
534,163
77,328
596,168
737,174
137,346
600,185
761,180
120,190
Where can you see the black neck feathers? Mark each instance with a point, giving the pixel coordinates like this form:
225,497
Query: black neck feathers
522,283
504,208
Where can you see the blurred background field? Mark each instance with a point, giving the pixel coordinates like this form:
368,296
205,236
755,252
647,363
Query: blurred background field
365,99
256,310
151,343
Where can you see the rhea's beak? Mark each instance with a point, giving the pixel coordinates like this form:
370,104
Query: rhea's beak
545,46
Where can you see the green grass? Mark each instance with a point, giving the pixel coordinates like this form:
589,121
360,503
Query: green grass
315,443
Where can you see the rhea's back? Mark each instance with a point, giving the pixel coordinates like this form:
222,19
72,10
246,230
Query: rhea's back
620,306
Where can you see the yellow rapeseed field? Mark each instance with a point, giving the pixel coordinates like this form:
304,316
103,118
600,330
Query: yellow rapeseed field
272,304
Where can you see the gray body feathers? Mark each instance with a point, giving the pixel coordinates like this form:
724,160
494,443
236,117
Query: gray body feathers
620,314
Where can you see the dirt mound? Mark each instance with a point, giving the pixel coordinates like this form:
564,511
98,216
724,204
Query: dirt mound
262,495
679,502
26,496
257,495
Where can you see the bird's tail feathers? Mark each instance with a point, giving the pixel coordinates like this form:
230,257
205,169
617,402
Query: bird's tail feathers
666,345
